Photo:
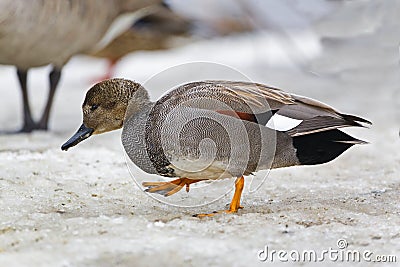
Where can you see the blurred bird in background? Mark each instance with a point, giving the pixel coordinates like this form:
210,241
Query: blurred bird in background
166,27
156,29
37,33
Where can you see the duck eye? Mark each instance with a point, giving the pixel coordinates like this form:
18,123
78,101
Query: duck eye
94,107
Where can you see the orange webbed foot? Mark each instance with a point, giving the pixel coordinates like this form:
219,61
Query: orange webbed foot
169,188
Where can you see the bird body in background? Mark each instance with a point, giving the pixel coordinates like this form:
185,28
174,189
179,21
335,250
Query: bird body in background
210,130
163,28
41,32
158,29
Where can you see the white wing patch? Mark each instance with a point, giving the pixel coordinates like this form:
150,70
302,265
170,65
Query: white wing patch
282,123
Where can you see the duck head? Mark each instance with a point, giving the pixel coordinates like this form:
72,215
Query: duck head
105,106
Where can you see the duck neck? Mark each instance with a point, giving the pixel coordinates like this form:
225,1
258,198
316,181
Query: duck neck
139,102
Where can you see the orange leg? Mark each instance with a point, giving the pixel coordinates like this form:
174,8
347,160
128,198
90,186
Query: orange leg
235,203
169,188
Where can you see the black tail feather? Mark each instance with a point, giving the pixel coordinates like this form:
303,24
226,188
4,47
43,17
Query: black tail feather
321,147
355,119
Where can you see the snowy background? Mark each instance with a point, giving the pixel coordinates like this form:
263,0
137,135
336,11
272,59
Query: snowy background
83,208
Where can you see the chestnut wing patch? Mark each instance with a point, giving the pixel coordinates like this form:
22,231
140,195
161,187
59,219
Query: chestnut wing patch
260,118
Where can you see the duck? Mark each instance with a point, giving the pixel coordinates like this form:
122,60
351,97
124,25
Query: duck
209,130
158,29
49,32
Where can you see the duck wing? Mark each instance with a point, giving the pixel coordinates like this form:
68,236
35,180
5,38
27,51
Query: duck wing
262,104
244,100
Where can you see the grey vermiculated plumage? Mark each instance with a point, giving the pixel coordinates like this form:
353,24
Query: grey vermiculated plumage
154,147
194,104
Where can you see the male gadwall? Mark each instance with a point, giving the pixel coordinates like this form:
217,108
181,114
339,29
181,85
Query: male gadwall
38,33
214,129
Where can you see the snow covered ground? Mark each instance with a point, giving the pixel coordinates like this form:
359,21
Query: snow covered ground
83,207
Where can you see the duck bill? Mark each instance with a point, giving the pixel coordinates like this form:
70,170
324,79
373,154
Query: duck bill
82,134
